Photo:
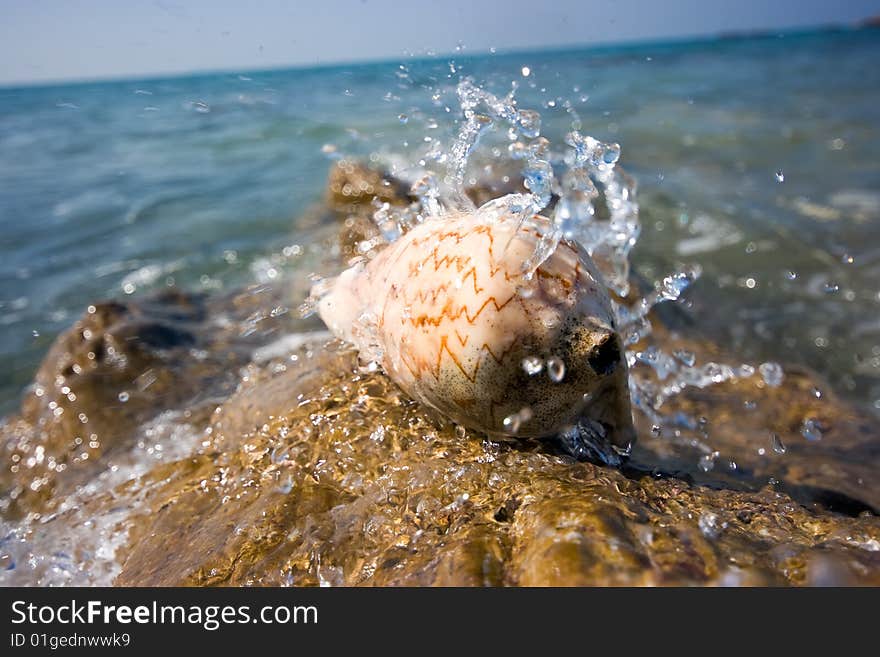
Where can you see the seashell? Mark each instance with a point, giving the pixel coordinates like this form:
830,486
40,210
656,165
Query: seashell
450,315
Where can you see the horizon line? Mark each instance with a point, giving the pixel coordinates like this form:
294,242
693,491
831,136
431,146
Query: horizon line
686,39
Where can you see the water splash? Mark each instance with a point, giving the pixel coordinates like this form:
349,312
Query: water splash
590,200
76,546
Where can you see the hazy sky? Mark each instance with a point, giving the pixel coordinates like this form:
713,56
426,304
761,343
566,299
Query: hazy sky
80,39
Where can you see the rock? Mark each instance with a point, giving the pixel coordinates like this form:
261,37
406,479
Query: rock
837,472
121,364
352,183
332,476
351,190
497,179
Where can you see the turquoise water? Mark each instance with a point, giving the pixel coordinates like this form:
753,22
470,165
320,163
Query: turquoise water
757,158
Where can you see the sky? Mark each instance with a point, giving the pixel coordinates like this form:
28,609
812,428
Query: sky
49,40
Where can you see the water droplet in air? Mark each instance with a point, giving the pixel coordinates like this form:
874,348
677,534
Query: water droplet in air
656,430
847,259
791,275
526,71
512,422
708,523
532,365
780,177
831,287
123,396
529,122
555,369
707,461
777,444
403,118
35,333
611,154
811,429
686,357
772,374
525,291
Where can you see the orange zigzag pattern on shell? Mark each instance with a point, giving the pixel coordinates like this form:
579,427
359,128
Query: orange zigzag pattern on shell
434,368
459,263
422,296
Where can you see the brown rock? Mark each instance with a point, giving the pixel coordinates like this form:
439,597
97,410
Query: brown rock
339,479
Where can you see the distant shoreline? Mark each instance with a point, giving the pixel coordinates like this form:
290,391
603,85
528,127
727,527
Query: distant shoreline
866,25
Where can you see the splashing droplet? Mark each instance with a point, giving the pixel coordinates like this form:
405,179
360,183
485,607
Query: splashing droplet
707,461
708,524
686,357
512,423
611,154
532,365
780,177
811,429
777,444
771,373
123,396
529,123
555,369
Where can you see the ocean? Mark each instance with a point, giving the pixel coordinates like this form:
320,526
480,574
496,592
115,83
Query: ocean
756,158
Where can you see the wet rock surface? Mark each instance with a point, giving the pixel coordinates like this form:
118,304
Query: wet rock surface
302,469
120,365
317,474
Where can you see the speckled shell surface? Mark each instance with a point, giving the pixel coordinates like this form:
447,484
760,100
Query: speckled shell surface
453,318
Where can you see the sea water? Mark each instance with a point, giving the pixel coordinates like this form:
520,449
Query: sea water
756,161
